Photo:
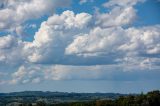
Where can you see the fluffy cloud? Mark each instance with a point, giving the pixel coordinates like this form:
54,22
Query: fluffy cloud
7,41
10,50
26,74
97,42
74,41
119,41
15,12
61,72
69,39
18,75
99,72
116,17
143,41
122,13
54,34
118,45
120,72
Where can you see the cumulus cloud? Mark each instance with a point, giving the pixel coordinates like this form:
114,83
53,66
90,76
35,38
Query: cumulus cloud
26,74
6,42
10,50
54,34
120,72
18,75
122,13
75,40
97,42
61,72
116,17
16,12
141,41
68,38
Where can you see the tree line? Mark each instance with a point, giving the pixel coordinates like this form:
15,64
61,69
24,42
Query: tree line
150,99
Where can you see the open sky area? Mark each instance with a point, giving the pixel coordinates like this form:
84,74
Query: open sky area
80,45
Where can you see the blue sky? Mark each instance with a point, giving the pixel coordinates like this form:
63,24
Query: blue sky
80,45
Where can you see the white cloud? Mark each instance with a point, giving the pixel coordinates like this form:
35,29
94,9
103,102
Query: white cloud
27,74
77,39
116,17
10,50
69,38
141,41
60,72
16,12
97,42
121,13
69,35
97,72
7,42
54,35
18,75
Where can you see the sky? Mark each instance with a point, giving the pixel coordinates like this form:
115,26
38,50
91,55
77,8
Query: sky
80,45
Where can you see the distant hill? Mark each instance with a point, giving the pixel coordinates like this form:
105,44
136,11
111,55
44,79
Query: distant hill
39,98
54,97
59,94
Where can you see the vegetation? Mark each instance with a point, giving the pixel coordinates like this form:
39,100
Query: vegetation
150,99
